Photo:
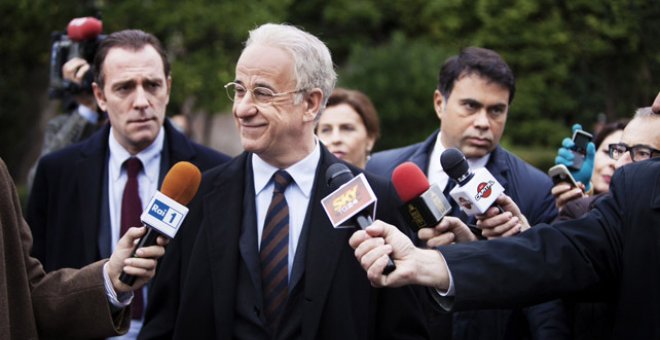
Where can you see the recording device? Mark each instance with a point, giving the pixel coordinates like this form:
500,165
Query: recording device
167,208
476,191
559,173
344,185
81,40
581,139
424,204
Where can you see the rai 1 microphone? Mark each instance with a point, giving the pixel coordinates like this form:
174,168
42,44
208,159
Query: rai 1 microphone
167,208
424,204
85,28
352,201
476,191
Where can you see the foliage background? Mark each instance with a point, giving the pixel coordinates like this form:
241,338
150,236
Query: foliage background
575,61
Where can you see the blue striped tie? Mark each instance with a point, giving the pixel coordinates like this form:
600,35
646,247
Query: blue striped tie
274,253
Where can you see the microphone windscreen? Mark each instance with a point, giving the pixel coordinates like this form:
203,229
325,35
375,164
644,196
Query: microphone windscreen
182,182
409,181
454,163
337,174
81,29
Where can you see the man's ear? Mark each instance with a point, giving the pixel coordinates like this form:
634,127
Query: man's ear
312,101
439,103
100,97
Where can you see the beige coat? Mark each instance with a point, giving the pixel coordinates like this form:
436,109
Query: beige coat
65,303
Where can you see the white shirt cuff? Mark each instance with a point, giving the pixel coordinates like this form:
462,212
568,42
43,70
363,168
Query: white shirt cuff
451,291
119,301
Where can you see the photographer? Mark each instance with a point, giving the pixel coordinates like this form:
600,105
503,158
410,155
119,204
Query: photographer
71,81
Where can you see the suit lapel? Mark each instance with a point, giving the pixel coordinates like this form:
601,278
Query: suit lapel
91,174
323,250
498,168
222,225
423,154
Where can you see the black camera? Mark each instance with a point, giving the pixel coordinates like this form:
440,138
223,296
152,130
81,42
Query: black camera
81,39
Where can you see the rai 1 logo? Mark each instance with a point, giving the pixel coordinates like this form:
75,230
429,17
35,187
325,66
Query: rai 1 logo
164,213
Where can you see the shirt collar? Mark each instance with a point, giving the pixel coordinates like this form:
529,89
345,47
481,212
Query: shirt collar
474,163
302,172
150,156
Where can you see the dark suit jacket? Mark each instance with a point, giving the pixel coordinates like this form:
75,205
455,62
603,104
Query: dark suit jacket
68,198
614,251
576,208
195,292
34,304
530,189
593,319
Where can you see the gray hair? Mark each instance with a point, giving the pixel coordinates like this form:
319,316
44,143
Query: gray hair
312,61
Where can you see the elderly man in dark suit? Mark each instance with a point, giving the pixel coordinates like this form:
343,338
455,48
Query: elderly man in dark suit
227,276
85,195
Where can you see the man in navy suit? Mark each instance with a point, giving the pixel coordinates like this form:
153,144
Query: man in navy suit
475,90
75,206
610,254
212,283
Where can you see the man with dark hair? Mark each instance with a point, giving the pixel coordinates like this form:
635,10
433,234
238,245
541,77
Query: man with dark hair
472,100
609,254
86,195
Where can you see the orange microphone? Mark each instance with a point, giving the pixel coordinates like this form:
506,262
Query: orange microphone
167,208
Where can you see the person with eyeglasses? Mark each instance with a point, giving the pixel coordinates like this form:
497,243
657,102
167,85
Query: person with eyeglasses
596,172
638,141
257,257
609,254
634,142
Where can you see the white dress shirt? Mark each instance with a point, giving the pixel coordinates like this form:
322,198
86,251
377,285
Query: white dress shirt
435,172
297,194
117,177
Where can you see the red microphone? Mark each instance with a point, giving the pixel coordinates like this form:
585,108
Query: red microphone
86,28
424,205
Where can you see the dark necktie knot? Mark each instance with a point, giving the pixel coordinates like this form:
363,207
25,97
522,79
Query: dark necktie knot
282,179
133,166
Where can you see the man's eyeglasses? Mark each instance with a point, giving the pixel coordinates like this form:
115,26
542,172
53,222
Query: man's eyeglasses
637,152
261,95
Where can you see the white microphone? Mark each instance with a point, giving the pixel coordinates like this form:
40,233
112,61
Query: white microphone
476,190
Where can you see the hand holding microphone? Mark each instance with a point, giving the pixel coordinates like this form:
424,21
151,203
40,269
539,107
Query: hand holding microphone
424,205
142,266
166,210
425,208
480,194
338,177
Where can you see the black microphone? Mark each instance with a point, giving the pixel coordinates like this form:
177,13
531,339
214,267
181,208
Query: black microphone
477,190
166,210
336,176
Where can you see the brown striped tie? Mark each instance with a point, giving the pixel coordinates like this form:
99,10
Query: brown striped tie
274,253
